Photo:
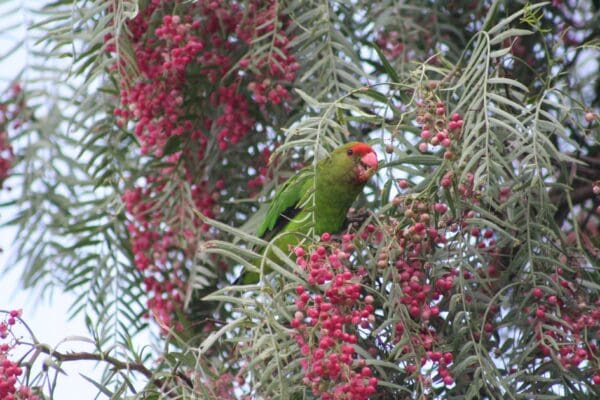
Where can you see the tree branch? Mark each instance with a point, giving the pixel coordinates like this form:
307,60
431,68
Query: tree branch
114,362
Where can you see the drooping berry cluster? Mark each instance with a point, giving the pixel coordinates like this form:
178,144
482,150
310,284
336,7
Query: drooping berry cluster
200,84
564,330
391,44
10,371
405,45
436,128
188,66
160,249
331,312
11,114
421,289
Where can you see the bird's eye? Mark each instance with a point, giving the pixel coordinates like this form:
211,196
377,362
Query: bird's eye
350,152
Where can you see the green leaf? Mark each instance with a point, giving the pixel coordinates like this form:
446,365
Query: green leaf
386,65
174,144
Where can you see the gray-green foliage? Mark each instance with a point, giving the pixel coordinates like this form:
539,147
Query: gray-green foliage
523,130
73,164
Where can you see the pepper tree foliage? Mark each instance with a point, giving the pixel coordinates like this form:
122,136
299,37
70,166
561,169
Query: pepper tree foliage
149,133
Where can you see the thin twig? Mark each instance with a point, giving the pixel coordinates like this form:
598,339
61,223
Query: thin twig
116,363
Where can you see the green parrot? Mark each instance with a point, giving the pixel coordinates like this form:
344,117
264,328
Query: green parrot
337,180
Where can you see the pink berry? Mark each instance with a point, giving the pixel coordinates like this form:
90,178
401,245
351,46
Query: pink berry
448,380
589,116
440,208
540,313
448,357
299,251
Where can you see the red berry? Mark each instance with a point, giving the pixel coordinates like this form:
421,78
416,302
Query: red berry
540,313
448,357
448,380
440,208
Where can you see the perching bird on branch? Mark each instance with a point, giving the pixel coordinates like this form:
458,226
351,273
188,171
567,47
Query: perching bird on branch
316,199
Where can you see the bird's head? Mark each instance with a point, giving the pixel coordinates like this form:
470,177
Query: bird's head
358,157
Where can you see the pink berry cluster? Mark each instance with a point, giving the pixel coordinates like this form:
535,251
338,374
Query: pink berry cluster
421,232
330,313
198,79
565,331
391,44
220,385
565,322
187,66
11,113
423,229
10,371
160,249
426,228
273,69
262,172
406,45
565,319
436,128
156,101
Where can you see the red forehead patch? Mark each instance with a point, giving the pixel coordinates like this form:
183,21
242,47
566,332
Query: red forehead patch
360,149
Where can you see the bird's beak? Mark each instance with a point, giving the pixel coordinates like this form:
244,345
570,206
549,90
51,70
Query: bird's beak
369,160
366,167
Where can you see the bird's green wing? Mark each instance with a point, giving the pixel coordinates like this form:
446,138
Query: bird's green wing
286,203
